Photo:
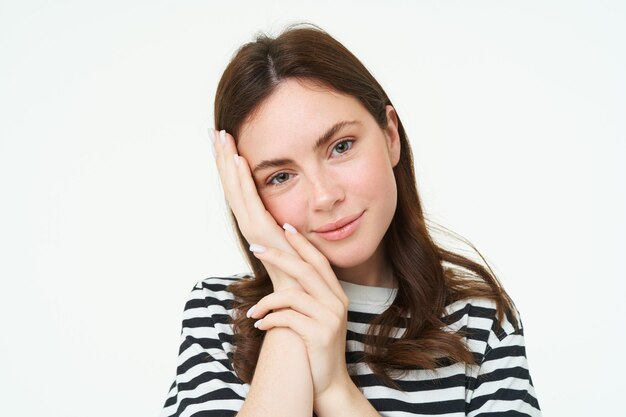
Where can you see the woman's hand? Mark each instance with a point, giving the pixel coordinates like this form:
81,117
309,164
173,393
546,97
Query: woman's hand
307,296
255,222
318,312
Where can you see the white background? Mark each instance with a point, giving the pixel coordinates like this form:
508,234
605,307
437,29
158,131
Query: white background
111,208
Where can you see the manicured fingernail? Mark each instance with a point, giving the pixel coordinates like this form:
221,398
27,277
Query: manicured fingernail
212,138
257,323
257,248
236,158
250,311
223,136
290,228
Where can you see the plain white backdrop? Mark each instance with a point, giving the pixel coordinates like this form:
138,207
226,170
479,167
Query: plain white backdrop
111,208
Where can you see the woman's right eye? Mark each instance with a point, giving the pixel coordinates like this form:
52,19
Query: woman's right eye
278,179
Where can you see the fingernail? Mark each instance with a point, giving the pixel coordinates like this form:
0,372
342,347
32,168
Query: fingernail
290,228
250,311
236,158
257,248
212,135
223,137
257,323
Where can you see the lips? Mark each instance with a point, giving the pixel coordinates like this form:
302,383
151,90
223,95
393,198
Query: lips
329,227
340,229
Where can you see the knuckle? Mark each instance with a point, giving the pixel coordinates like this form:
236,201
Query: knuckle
338,307
293,293
325,265
310,270
269,317
326,337
260,306
332,322
336,322
264,228
276,255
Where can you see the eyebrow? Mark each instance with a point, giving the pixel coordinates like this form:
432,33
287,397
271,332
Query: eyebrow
320,142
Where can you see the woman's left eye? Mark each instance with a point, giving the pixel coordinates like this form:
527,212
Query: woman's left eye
343,146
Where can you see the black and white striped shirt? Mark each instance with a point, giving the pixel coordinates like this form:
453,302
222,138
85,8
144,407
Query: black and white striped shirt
500,385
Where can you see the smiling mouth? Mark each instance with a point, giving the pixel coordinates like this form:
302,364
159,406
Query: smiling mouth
341,228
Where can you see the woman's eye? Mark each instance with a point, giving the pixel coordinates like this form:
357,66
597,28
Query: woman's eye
279,178
343,146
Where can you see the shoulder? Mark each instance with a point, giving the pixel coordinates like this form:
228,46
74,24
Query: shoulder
219,285
500,380
477,319
213,293
208,311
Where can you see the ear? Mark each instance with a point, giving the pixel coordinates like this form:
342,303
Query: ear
393,137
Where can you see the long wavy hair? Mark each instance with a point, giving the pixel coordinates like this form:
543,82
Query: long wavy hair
429,276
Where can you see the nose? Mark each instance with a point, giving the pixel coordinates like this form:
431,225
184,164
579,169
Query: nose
326,192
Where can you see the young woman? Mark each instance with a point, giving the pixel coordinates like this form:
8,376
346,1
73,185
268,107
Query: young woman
351,309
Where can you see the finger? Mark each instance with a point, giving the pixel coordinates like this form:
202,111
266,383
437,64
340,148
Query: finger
294,299
242,194
212,140
225,150
311,255
295,267
302,325
247,185
256,210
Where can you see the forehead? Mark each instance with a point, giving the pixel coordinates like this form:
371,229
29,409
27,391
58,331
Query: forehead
297,112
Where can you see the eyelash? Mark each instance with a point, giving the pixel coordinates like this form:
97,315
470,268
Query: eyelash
273,177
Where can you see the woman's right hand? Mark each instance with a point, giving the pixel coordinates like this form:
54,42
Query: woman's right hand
255,222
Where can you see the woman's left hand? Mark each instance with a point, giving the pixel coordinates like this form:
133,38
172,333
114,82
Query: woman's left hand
318,313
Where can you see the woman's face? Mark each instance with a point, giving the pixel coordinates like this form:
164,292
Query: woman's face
319,161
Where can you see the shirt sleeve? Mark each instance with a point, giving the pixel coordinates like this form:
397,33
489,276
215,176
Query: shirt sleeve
205,382
503,384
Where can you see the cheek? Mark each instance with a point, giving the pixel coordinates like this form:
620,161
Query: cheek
373,179
286,208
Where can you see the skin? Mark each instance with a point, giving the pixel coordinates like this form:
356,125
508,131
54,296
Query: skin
339,179
351,173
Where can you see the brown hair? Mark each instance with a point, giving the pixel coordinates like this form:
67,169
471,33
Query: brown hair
425,286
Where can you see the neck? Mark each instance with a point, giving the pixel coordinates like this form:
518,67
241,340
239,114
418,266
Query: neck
375,272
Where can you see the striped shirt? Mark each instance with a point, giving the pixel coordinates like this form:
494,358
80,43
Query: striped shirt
499,385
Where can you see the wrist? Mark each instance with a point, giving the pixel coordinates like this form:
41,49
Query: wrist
344,400
326,403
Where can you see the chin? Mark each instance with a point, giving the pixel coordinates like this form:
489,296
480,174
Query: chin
349,259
